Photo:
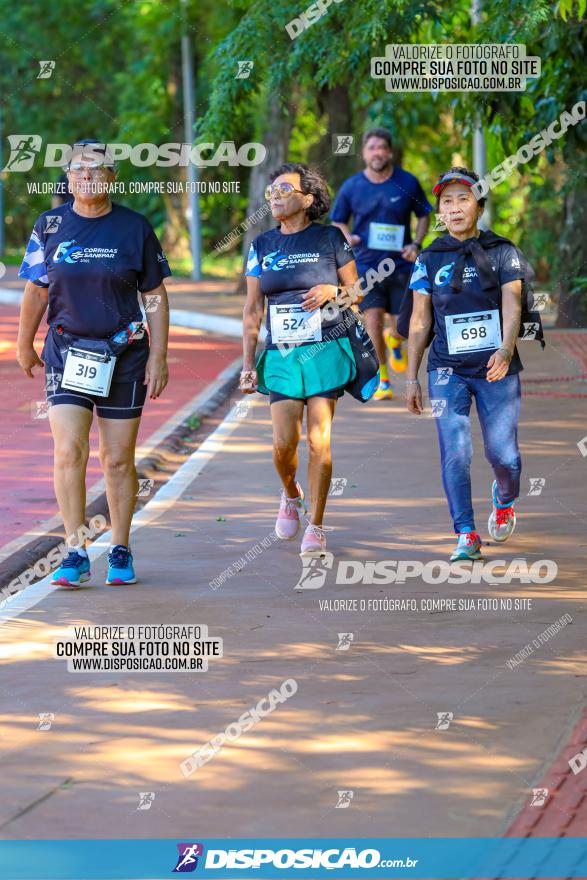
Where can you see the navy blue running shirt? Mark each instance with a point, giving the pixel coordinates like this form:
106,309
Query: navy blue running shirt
289,265
94,269
392,201
431,275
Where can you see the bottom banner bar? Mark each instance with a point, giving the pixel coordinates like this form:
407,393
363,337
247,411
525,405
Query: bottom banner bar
417,858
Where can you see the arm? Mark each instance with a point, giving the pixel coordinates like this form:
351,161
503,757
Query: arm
343,211
410,252
511,311
420,326
252,317
344,228
422,228
349,287
32,309
156,372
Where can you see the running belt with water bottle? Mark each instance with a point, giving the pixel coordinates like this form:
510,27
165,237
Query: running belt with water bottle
89,363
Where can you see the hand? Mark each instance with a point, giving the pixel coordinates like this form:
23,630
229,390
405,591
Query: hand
414,399
498,365
354,240
248,382
27,359
318,295
156,375
351,295
410,252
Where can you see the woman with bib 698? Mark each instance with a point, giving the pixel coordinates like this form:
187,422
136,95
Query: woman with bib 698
470,297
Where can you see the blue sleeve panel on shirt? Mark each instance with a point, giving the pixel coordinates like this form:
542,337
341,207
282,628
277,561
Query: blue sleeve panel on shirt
33,266
253,269
419,280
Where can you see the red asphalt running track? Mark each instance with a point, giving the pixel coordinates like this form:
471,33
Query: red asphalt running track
26,449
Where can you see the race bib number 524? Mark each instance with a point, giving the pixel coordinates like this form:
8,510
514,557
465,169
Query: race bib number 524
292,323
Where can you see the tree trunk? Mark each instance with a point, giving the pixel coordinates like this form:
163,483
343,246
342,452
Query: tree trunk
175,241
276,139
335,104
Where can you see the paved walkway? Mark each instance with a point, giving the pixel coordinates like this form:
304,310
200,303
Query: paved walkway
363,719
26,446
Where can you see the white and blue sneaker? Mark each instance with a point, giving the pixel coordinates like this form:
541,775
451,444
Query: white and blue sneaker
502,519
468,547
120,568
73,571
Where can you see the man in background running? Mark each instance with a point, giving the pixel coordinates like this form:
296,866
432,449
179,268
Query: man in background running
381,200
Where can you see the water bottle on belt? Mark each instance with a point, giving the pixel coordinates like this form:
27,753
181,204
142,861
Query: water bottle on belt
128,334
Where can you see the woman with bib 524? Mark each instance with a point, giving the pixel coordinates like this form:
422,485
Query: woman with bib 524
304,268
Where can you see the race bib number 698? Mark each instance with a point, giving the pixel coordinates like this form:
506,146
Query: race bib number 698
474,331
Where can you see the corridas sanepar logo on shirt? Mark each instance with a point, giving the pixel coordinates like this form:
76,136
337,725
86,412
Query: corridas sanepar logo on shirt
277,261
72,252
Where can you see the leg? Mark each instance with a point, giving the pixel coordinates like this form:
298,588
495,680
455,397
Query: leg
117,456
395,286
374,324
392,325
70,426
320,415
498,407
286,417
456,449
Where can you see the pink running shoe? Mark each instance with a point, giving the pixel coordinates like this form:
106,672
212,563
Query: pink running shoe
314,540
287,524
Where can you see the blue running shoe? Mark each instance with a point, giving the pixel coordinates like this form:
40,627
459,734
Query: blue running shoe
73,571
468,547
502,519
120,570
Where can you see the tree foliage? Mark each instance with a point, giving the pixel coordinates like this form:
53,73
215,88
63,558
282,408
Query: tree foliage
118,77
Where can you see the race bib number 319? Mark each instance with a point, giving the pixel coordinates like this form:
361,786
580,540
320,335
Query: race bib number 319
88,371
474,331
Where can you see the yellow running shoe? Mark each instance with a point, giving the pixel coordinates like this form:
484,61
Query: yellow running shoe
398,358
384,391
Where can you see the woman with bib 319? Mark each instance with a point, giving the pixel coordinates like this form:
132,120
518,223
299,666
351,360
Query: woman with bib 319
88,261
